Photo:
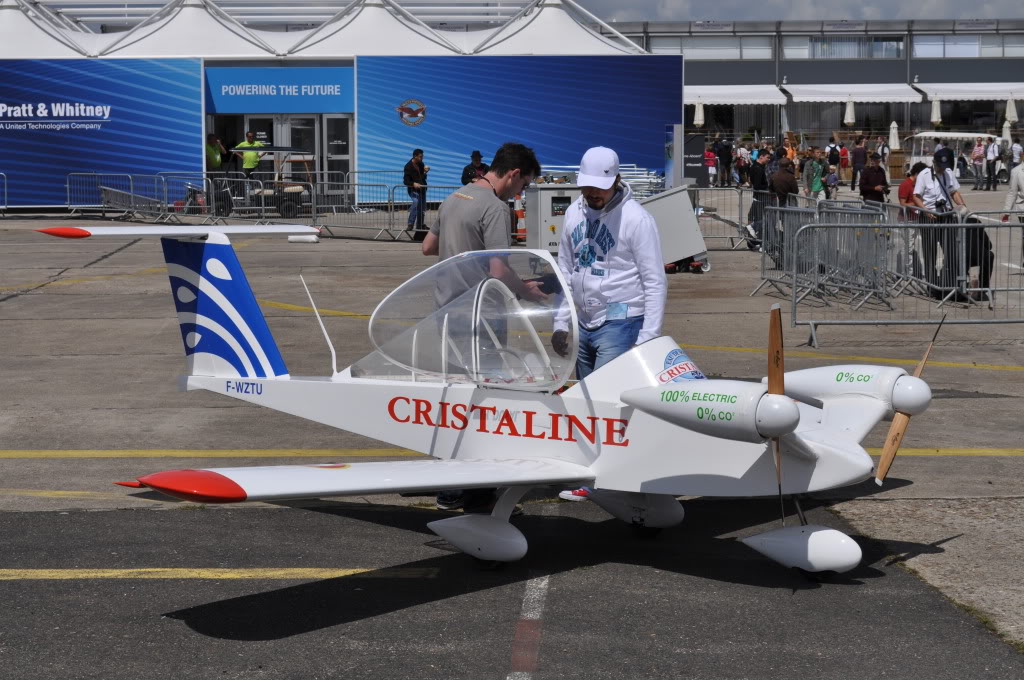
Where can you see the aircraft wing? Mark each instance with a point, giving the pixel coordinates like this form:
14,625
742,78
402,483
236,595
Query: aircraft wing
281,482
180,231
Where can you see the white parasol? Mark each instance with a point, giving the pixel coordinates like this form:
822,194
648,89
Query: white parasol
849,118
894,137
698,114
936,112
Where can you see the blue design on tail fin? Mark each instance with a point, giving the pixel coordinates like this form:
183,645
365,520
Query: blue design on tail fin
221,322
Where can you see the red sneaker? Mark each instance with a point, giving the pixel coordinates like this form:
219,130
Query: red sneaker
580,494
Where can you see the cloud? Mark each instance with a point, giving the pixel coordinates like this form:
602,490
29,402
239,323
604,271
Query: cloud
781,10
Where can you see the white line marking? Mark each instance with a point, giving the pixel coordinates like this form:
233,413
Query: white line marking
533,600
1010,264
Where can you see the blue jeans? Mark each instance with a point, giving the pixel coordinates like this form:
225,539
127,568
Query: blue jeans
604,343
417,208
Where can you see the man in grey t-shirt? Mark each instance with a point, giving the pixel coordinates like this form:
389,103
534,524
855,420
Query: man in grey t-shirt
476,217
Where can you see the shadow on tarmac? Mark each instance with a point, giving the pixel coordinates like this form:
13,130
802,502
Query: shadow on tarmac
698,548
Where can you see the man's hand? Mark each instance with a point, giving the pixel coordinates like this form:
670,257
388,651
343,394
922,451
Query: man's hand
560,343
880,188
533,292
417,185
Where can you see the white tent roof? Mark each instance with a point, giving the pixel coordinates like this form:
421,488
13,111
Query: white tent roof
368,29
187,28
733,94
21,36
547,28
972,91
859,92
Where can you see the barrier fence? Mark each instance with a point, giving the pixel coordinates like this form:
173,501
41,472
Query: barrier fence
914,272
354,206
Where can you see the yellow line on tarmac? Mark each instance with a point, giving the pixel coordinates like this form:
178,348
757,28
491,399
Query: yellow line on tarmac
208,453
79,495
953,452
855,357
85,279
301,308
216,574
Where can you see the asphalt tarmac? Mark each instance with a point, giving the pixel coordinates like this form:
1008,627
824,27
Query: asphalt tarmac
106,582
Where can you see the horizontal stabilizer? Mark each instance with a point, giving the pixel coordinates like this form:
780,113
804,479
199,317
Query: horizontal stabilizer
282,482
181,231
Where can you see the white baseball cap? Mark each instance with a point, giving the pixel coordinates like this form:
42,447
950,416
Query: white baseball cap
599,167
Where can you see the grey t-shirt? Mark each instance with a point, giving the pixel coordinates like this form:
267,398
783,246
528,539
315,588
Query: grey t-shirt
472,218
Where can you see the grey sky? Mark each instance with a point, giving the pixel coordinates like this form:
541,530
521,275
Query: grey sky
776,10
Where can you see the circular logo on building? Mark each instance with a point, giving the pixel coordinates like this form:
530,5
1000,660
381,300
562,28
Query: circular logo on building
412,112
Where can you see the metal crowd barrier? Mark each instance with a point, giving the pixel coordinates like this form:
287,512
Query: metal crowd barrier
401,205
83,190
914,272
351,206
720,214
374,177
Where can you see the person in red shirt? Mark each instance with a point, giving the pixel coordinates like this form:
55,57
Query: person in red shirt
711,160
906,192
844,161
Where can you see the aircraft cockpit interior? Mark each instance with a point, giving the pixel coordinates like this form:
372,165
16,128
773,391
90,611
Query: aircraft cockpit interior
482,317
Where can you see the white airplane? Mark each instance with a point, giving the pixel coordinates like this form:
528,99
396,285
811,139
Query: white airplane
461,371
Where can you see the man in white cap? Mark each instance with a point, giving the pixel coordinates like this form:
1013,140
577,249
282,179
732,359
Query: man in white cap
610,255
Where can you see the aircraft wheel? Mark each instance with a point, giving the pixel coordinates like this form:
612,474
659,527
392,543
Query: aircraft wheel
644,532
816,576
489,565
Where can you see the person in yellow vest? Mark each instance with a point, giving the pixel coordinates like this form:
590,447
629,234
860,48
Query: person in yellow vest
250,159
214,153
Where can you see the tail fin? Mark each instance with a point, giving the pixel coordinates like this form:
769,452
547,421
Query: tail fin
222,326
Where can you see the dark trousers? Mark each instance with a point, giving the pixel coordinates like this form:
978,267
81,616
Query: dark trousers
933,239
979,254
990,179
724,174
857,169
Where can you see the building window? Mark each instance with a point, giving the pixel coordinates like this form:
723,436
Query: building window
757,47
841,47
962,46
991,45
700,48
666,45
796,47
1013,45
712,47
928,46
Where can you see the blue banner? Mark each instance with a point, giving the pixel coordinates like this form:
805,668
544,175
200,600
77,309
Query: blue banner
278,89
560,106
76,115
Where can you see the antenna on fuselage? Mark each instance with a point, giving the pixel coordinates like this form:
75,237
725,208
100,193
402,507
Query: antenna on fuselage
334,357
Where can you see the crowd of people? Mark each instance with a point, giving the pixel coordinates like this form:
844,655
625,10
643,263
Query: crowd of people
821,171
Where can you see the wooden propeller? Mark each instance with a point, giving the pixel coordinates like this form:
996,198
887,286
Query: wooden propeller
900,421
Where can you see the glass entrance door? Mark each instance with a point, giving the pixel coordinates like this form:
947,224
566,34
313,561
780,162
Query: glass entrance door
337,147
299,131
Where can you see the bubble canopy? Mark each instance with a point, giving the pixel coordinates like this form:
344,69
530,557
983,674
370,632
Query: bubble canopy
484,317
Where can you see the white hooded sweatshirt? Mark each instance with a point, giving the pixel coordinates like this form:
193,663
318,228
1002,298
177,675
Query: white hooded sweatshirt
611,259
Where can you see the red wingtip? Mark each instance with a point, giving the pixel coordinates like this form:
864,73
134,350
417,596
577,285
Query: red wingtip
66,232
132,484
199,486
